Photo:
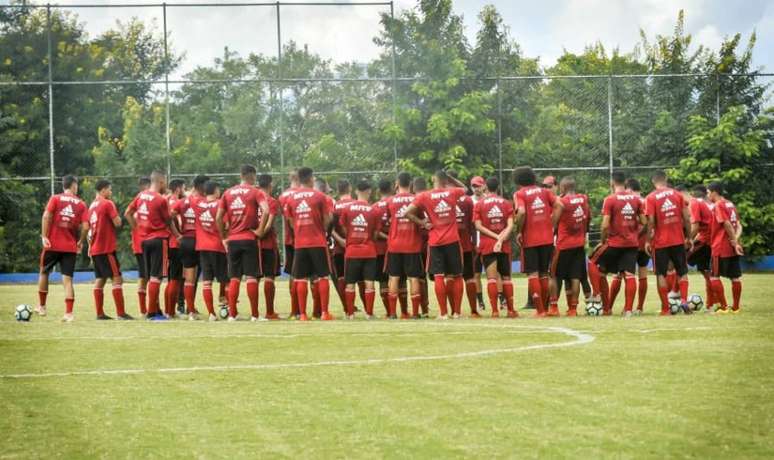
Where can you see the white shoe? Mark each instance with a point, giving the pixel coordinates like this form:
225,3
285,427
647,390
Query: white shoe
456,316
349,317
212,318
627,314
637,312
258,318
442,317
370,317
68,318
193,317
232,318
41,310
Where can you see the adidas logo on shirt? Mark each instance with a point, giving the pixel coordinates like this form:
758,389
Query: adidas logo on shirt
237,203
189,214
402,211
359,221
206,217
580,214
143,209
67,211
441,207
494,212
303,206
667,206
538,204
93,218
627,210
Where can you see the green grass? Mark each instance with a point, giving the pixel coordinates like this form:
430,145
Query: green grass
690,386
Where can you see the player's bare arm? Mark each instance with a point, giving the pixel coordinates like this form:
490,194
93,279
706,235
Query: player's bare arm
45,227
687,227
129,216
604,230
557,212
82,237
261,230
221,226
412,213
733,237
458,183
339,237
519,224
268,224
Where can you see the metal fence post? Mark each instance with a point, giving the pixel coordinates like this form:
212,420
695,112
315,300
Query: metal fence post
610,124
717,99
166,91
50,99
394,91
500,131
281,101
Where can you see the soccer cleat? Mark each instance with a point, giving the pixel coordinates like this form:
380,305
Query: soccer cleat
391,317
627,314
722,311
231,319
607,311
41,310
736,311
665,312
255,319
326,317
475,314
193,317
303,317
370,317
212,318
272,317
686,308
539,314
456,316
68,318
104,317
125,317
442,317
157,317
495,314
637,312
572,312
553,310
513,314
350,317
404,316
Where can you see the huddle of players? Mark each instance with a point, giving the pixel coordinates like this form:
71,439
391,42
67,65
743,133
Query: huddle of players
229,237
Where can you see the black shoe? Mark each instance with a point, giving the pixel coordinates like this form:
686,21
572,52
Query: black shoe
103,317
392,317
125,317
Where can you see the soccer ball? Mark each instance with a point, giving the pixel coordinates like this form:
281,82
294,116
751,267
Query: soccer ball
593,308
674,305
223,311
695,301
23,313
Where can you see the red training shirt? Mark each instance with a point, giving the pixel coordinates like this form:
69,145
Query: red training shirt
723,211
384,226
624,209
538,205
152,214
185,209
338,207
464,210
207,234
68,213
666,207
405,237
361,221
102,232
701,213
241,204
307,207
440,207
493,212
282,200
269,240
573,222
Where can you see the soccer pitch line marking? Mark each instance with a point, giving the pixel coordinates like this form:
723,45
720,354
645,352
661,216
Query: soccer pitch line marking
580,338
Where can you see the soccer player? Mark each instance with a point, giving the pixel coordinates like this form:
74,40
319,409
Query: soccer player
63,231
438,205
174,264
245,209
385,192
209,246
309,214
103,221
493,217
464,211
537,211
701,223
345,198
155,225
418,186
643,257
622,222
669,221
570,260
143,184
185,210
726,249
404,249
478,185
360,222
269,250
288,242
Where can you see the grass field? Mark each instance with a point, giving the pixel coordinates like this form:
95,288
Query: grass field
697,386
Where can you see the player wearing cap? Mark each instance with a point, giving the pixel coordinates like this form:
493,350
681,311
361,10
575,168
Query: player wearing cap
493,217
726,249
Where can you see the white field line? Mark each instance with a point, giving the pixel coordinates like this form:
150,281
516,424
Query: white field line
579,339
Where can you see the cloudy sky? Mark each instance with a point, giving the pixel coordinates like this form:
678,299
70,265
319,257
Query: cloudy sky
543,28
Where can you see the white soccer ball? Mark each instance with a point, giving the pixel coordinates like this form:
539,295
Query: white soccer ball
223,311
673,295
593,308
674,305
23,312
695,301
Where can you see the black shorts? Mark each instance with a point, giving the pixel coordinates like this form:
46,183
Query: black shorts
189,257
270,262
49,259
311,263
643,258
141,272
502,260
701,257
446,259
242,259
405,265
569,264
617,260
356,270
676,255
175,265
727,267
478,265
154,255
467,265
106,266
289,252
537,259
338,265
214,266
381,269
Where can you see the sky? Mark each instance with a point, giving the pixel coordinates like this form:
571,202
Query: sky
543,28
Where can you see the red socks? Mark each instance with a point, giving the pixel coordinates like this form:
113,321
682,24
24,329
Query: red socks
630,291
268,294
642,291
349,302
170,296
615,288
594,279
207,294
471,290
491,290
440,293
293,298
233,296
154,286
69,305
683,283
544,288
118,299
671,280
663,293
535,290
719,292
369,299
454,290
252,296
189,293
736,289
141,300
508,293
99,301
42,295
324,293
709,301
403,300
392,304
383,293
316,305
302,291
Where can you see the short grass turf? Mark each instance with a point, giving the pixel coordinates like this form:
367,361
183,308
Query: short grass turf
685,386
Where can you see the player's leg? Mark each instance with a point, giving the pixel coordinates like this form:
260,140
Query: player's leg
302,272
153,253
642,279
478,268
142,285
554,285
661,265
98,292
718,292
207,263
322,269
190,261
235,266
47,262
439,280
118,287
492,280
733,271
67,268
174,278
471,289
677,255
615,287
288,268
403,297
251,268
572,292
271,270
340,279
453,271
